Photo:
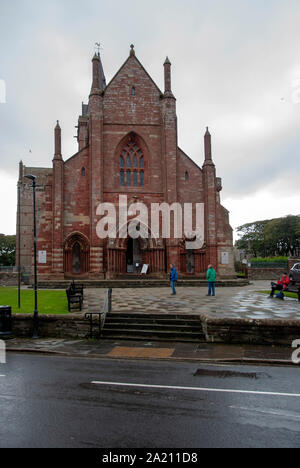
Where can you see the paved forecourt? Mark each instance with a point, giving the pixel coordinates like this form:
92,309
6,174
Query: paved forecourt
230,302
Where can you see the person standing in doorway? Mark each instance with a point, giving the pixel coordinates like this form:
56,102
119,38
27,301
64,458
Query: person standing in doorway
211,276
173,278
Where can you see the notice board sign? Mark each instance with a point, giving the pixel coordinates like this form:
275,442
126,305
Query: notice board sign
42,257
225,258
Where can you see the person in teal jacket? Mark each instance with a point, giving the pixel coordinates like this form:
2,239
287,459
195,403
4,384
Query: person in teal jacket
211,276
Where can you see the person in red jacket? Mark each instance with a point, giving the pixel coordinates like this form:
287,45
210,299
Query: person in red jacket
281,285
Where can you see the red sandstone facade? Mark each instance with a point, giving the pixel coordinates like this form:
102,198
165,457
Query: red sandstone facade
127,144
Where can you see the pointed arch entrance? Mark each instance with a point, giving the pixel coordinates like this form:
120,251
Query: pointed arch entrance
76,255
127,256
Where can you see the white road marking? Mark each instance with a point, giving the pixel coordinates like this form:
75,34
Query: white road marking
197,389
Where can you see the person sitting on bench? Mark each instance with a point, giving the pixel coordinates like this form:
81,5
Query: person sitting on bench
281,285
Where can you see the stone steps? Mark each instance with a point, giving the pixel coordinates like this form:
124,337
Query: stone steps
153,327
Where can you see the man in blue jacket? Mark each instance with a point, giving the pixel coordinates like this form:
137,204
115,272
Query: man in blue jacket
173,278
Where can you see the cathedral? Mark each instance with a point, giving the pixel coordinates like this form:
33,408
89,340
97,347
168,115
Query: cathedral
127,145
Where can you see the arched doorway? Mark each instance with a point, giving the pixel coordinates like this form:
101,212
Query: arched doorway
133,256
76,259
190,262
76,255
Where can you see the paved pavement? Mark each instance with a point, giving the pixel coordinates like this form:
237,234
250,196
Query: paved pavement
230,302
154,350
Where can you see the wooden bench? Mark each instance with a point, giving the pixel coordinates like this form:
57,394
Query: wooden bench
77,288
74,300
295,288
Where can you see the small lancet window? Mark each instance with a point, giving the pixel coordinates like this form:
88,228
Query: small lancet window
133,93
83,172
187,176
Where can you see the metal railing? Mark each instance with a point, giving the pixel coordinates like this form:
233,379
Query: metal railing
106,309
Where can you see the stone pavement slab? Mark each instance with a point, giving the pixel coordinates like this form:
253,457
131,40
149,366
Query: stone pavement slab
111,349
230,302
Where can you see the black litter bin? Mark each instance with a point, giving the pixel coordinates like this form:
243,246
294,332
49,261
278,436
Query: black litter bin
5,321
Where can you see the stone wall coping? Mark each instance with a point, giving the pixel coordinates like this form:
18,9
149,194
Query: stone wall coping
44,317
219,321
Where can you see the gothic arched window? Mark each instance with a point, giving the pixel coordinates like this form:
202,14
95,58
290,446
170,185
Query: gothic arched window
132,165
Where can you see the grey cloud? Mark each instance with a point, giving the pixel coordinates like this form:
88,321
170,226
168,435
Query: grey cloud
233,62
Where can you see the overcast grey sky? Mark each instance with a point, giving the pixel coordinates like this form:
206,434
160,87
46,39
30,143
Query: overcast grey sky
235,68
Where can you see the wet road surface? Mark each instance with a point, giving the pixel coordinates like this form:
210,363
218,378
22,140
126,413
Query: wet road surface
71,402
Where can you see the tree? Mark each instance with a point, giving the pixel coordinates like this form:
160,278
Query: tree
284,234
7,250
253,238
269,238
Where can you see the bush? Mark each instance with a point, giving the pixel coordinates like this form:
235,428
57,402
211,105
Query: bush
270,260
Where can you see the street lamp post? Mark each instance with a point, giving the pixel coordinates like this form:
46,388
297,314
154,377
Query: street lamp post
19,244
36,313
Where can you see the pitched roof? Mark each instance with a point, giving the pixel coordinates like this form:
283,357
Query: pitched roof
132,56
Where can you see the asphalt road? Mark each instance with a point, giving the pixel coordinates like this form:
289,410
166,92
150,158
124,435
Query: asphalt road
66,402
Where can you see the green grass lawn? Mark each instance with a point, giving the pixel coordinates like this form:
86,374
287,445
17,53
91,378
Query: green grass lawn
287,294
49,302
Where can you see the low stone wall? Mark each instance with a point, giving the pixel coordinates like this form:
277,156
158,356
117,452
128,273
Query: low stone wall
265,273
8,278
243,331
219,330
142,283
54,326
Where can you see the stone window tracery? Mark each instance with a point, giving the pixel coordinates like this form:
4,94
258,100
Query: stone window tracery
133,158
